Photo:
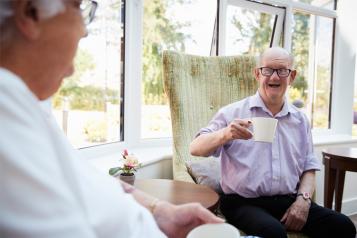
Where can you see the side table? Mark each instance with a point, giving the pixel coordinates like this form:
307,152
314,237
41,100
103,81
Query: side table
337,161
179,192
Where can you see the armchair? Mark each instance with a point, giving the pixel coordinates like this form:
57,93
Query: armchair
197,87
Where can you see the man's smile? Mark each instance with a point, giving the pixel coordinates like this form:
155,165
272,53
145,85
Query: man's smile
274,85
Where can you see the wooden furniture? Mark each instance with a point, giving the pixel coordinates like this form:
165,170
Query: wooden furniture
337,161
179,192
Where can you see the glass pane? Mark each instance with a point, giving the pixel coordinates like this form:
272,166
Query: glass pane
312,48
247,31
176,25
328,4
87,106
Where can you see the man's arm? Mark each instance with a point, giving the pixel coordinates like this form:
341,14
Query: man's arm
173,220
295,217
206,144
307,182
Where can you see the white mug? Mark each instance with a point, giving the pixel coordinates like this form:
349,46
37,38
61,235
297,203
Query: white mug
214,231
264,128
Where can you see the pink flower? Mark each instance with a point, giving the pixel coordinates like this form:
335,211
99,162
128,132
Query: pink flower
130,166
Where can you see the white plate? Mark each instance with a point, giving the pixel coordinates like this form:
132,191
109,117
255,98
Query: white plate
214,231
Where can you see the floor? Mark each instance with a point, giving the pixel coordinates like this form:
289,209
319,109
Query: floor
354,219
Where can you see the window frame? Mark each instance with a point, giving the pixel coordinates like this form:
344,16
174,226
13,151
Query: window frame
261,7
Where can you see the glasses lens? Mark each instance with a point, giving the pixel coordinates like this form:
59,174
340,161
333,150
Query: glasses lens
88,10
267,71
283,72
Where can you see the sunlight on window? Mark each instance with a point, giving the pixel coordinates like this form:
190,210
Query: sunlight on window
180,26
312,50
248,31
87,106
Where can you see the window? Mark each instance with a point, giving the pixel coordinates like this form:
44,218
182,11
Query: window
174,25
312,46
248,28
87,106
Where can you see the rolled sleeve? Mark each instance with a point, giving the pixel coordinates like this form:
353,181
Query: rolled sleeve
311,161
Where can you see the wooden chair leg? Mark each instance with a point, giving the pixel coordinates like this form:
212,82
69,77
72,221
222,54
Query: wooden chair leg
329,184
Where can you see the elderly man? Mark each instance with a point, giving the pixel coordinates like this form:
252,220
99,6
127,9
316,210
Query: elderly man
268,186
45,189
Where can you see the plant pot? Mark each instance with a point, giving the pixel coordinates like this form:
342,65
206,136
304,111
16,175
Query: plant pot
128,178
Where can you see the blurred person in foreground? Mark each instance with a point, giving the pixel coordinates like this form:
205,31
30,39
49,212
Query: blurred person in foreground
46,190
268,186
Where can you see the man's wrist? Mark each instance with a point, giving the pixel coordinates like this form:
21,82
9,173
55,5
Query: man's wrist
223,138
305,196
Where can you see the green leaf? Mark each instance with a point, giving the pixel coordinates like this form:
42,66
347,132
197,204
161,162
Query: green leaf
115,170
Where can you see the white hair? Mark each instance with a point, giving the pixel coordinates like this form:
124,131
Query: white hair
259,59
46,9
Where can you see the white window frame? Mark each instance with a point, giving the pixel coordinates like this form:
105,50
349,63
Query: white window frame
223,5
343,83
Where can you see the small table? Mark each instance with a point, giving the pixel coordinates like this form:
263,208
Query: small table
179,192
337,161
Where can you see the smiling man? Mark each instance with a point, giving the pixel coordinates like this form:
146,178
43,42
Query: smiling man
268,186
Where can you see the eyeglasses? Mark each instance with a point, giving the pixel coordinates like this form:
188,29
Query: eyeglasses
266,71
88,8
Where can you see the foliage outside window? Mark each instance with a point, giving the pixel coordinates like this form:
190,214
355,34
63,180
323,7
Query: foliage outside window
174,25
87,106
248,31
312,49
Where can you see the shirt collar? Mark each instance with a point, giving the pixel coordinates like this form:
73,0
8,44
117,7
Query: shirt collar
12,78
257,102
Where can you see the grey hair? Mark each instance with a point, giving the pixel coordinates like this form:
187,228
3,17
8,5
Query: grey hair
46,9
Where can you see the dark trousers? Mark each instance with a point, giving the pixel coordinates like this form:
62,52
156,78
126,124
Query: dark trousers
261,217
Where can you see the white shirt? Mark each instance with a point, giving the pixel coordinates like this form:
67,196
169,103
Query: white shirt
46,189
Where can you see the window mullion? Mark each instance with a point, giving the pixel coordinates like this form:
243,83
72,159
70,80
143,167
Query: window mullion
287,28
133,48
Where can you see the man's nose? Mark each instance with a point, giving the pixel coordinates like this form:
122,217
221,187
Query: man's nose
275,75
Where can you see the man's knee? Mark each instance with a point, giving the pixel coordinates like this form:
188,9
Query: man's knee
272,231
339,225
346,228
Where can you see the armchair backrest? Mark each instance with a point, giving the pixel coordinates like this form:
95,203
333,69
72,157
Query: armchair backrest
197,87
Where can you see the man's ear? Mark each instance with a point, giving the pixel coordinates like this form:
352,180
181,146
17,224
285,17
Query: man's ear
26,19
292,76
256,74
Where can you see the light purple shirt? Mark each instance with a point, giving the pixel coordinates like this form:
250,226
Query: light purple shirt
254,169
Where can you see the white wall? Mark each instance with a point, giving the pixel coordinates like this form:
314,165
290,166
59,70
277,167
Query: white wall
161,169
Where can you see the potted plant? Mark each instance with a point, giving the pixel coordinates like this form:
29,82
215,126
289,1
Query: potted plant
126,171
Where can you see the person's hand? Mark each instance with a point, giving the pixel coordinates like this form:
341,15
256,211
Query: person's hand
178,220
295,217
238,129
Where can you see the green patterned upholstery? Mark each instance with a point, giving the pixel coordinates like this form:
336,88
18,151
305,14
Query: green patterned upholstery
197,87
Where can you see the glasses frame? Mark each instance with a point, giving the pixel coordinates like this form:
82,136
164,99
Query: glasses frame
275,70
88,9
